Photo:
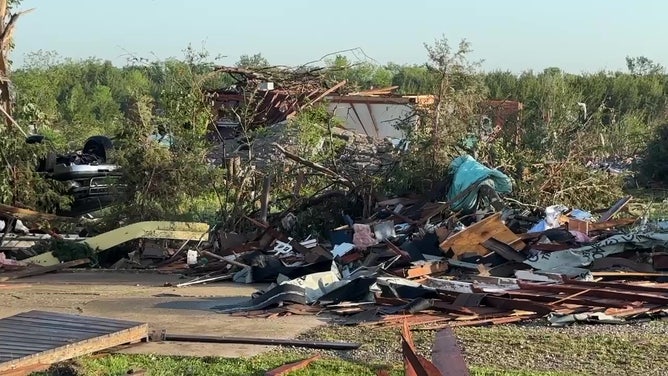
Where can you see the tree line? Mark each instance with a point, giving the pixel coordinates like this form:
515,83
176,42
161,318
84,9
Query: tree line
567,119
72,99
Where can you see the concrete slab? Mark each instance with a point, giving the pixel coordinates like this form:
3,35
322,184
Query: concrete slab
147,297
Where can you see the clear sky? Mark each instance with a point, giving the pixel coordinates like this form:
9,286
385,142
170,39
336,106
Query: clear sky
575,35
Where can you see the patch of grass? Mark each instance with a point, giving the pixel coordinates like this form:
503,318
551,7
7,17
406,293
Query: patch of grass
505,350
120,364
585,350
485,371
649,201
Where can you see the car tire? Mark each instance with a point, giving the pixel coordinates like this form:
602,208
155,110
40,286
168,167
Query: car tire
47,163
98,146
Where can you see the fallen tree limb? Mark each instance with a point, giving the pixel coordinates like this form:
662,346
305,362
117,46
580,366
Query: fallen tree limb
315,166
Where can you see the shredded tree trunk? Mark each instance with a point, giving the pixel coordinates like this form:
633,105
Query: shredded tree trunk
7,26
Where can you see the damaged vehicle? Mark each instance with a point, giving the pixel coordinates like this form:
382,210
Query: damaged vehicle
92,178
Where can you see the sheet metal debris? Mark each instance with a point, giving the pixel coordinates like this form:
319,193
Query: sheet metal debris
379,277
290,367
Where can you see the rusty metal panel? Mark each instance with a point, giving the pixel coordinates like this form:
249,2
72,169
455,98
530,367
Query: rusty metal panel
414,363
600,293
287,368
447,355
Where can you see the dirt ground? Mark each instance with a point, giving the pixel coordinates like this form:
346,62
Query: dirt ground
144,297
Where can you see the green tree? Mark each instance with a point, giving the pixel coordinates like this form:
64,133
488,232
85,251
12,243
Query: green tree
458,89
252,61
643,66
414,79
502,85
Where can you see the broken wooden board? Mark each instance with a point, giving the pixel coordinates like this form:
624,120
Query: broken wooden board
471,239
35,270
612,224
39,337
616,208
623,274
578,225
423,269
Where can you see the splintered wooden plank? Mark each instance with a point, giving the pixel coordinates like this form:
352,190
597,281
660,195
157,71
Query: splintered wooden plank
53,337
470,240
619,205
39,270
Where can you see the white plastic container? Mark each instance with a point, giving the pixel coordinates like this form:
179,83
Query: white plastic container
191,257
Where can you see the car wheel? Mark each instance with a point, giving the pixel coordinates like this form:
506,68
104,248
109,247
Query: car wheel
98,146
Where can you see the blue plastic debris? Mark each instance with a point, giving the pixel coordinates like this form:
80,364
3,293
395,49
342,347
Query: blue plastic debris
466,172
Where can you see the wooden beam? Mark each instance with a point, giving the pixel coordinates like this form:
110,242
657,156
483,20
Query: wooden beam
32,271
28,214
373,119
364,99
422,270
264,199
414,363
27,370
619,205
597,226
326,93
602,293
359,119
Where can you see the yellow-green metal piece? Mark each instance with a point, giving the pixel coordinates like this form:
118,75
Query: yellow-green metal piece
139,230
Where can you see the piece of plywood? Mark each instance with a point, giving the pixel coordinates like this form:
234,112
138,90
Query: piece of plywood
37,338
471,239
616,208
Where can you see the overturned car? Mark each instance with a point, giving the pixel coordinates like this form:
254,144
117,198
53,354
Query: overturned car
93,180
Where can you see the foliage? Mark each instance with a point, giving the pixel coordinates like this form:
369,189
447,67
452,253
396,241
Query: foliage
313,131
445,124
643,66
163,178
252,61
542,181
566,118
360,76
20,184
654,164
571,121
66,250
